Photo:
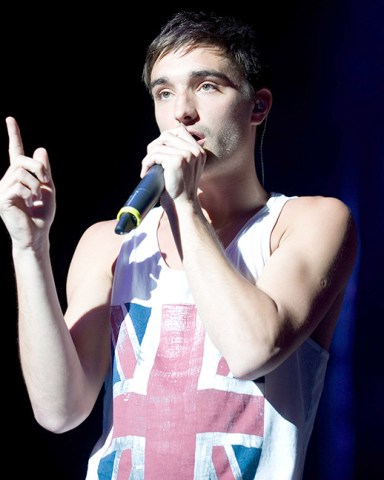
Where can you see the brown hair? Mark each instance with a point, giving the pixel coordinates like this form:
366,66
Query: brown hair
235,38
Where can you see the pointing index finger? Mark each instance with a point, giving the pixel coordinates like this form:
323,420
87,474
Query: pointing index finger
15,142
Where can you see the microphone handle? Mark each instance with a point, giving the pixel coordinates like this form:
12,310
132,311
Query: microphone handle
142,200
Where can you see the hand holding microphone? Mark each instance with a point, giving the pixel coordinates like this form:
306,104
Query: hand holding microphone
186,145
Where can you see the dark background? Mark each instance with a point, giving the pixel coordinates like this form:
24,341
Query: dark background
72,79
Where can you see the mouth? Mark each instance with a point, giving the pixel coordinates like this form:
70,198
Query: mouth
199,137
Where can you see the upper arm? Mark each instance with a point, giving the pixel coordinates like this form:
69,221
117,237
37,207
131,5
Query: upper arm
89,286
310,265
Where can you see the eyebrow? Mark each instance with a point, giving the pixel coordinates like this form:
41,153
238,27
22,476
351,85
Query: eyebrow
195,74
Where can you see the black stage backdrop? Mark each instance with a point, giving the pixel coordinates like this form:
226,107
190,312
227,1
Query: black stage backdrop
73,81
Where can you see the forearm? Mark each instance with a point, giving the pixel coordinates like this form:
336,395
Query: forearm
233,310
49,361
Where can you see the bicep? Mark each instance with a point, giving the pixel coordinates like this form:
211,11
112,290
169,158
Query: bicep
308,271
89,286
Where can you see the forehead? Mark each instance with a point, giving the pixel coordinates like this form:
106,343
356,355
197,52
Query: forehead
182,62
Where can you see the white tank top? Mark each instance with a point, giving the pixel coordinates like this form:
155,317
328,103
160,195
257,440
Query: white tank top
172,408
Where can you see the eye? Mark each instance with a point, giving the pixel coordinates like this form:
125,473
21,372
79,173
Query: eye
163,94
206,87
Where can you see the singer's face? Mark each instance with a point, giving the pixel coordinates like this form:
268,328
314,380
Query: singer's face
204,91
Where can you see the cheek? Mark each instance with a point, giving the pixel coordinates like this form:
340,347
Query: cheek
232,128
233,123
243,112
237,113
163,118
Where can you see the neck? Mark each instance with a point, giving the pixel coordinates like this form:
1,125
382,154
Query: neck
232,201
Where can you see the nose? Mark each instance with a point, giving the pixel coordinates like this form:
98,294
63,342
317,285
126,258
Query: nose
185,108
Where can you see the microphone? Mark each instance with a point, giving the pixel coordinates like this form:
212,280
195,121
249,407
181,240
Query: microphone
143,198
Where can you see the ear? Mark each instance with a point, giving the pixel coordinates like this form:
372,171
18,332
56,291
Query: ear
262,105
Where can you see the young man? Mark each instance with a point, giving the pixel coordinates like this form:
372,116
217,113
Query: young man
219,307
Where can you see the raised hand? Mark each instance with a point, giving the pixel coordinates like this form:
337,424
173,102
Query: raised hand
27,193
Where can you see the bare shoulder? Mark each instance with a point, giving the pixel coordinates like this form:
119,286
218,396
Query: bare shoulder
99,245
102,235
317,214
318,207
321,228
104,231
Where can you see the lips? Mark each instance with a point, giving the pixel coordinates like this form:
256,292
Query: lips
199,137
